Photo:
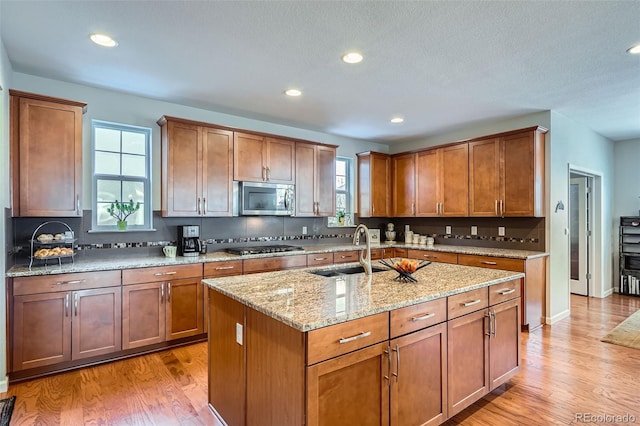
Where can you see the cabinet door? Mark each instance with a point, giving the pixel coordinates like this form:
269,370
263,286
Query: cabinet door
519,175
143,311
50,152
455,180
468,361
484,178
249,157
403,170
182,170
352,389
96,322
428,183
419,391
41,330
280,161
184,308
504,343
217,174
325,186
305,179
380,185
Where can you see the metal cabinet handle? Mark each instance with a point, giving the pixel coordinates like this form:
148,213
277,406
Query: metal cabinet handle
496,208
505,292
388,352
495,323
162,293
501,208
428,255
198,206
221,268
397,373
473,302
78,211
319,258
268,173
75,304
159,274
486,262
66,305
168,292
70,282
204,205
488,332
413,209
356,337
424,316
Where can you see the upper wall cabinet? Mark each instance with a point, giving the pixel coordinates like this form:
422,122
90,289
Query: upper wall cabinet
46,155
315,180
197,172
374,184
263,159
506,174
403,169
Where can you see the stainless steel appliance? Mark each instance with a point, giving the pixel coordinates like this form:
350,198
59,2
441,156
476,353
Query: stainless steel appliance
189,240
262,249
268,199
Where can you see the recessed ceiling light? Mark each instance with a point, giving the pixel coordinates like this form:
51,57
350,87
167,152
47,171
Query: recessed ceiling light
352,57
397,120
292,92
103,40
634,50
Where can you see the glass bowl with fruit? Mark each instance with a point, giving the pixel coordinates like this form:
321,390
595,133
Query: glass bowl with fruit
405,268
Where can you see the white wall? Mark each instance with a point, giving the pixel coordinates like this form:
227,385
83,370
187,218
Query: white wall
127,109
5,81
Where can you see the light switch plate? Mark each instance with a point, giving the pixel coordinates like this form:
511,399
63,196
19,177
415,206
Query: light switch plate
304,230
374,234
474,230
239,334
447,230
500,231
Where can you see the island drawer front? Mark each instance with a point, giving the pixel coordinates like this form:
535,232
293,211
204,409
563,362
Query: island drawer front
325,343
433,256
320,259
345,256
161,273
65,282
467,302
416,317
268,264
222,269
499,293
503,263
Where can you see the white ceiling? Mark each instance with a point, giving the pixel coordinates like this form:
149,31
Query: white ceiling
438,64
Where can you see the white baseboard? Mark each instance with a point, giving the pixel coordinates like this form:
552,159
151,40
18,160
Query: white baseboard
557,317
608,293
4,384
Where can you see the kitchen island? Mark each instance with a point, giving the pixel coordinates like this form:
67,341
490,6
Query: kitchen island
293,347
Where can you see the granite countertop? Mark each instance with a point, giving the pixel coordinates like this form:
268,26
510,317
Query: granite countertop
306,301
129,262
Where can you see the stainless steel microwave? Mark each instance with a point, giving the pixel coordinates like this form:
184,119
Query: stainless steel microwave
265,199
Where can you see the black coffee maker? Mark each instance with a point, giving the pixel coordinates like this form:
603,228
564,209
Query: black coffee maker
188,240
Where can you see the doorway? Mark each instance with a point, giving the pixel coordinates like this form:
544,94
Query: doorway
580,233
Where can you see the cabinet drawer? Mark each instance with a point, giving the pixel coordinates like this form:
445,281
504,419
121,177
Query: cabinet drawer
434,256
252,266
161,273
467,302
377,253
329,342
416,317
345,256
222,269
65,282
397,252
320,259
505,291
503,263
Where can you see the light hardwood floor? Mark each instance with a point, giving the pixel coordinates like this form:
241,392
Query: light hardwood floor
566,370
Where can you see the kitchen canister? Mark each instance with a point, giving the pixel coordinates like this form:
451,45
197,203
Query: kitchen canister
429,241
416,238
423,240
408,237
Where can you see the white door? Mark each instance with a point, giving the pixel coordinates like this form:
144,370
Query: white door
578,232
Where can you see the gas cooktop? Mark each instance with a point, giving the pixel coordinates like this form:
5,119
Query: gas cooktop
262,249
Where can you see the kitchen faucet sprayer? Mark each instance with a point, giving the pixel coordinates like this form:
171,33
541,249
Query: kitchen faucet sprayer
365,254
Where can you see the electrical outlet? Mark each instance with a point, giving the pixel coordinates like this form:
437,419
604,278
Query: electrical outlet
304,230
474,230
239,334
447,230
500,231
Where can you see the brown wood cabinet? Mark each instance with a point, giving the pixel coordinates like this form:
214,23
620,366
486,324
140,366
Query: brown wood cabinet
58,318
46,155
315,180
506,174
403,183
433,256
428,183
258,158
197,165
163,307
374,184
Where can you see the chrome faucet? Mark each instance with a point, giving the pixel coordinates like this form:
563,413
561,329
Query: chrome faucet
365,254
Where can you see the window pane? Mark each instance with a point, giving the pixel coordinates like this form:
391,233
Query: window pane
108,191
107,163
341,168
107,139
133,165
133,143
103,218
138,217
341,183
341,201
133,191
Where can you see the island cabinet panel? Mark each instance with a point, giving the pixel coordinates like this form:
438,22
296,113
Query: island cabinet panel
433,256
226,358
416,317
352,389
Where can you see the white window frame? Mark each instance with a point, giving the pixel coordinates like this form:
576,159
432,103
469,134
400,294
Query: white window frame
332,221
147,206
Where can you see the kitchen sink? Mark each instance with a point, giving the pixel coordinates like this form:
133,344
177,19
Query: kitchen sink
346,271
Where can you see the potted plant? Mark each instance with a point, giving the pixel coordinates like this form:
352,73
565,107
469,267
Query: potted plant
121,211
340,216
